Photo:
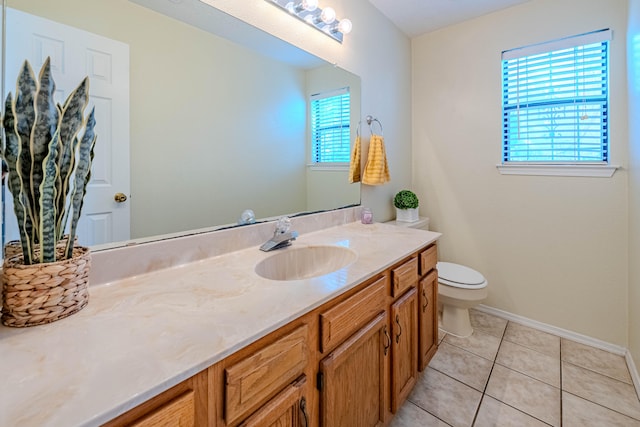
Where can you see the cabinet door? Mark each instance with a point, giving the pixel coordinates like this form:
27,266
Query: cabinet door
352,379
287,409
428,318
404,347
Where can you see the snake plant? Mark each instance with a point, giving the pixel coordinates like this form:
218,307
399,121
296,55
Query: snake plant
48,147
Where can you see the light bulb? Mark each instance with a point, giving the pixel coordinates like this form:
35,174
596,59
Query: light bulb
345,26
309,5
328,15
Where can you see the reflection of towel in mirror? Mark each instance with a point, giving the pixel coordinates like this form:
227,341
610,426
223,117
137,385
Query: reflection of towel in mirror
354,166
376,171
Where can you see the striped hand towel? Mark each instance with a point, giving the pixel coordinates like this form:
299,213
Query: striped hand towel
354,166
376,171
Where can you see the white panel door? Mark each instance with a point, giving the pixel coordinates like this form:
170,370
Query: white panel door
75,54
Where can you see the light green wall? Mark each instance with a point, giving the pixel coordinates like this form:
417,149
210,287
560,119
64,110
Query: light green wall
554,249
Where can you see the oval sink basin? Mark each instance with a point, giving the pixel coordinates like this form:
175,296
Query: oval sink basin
305,262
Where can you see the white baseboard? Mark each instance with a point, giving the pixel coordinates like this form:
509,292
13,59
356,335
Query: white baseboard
574,336
633,372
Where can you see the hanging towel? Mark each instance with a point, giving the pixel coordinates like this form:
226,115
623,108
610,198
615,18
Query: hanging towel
354,166
376,171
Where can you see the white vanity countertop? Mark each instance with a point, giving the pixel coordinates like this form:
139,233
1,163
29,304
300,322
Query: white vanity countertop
140,336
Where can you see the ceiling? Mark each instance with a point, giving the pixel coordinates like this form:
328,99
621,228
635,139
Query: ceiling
415,17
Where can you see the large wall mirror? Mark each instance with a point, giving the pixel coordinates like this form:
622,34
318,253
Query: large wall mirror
204,116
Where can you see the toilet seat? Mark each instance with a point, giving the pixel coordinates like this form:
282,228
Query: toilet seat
459,276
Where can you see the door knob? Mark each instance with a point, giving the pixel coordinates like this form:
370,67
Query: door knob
120,197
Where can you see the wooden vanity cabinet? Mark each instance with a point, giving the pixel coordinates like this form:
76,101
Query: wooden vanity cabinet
404,347
352,379
427,307
404,330
349,362
355,346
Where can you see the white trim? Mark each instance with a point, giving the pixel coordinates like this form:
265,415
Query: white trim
563,333
342,166
587,170
335,92
573,336
633,372
559,44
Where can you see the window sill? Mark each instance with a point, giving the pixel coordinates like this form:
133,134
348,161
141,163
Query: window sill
588,170
329,166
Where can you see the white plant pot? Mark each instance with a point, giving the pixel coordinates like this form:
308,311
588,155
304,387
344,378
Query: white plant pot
407,215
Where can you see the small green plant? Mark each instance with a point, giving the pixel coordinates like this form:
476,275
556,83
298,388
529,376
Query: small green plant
48,150
405,199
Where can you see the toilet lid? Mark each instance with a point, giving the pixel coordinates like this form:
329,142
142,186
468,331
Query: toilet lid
460,274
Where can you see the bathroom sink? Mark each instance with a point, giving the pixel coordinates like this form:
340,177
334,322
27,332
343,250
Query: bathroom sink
305,262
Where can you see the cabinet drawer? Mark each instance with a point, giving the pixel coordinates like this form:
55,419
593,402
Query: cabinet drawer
178,412
404,276
252,381
428,259
344,319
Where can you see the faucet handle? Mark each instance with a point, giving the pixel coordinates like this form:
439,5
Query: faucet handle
283,225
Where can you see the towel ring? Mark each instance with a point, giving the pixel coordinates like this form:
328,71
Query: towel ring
370,120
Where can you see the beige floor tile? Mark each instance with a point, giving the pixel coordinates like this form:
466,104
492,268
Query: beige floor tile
410,415
480,343
448,399
577,412
494,413
533,339
487,323
530,362
600,361
600,389
531,396
441,335
462,365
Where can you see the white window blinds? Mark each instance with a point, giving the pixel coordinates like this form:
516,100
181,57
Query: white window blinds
555,101
330,122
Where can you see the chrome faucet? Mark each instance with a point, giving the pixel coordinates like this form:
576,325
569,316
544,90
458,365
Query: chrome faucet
282,237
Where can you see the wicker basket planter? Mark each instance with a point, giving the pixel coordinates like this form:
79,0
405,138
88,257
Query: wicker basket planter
42,293
14,247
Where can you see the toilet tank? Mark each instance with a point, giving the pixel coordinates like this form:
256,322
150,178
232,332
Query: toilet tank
422,223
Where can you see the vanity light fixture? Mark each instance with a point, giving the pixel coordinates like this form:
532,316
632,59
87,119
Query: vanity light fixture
323,19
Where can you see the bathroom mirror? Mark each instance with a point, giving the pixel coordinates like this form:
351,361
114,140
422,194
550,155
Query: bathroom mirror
217,116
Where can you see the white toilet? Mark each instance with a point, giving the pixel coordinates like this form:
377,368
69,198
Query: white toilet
459,289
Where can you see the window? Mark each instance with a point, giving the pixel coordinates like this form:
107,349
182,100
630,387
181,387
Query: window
330,121
555,102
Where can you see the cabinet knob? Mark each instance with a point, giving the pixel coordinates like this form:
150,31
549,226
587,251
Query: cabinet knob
426,301
399,329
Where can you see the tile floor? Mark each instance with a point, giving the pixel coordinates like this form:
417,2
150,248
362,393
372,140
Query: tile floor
507,374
